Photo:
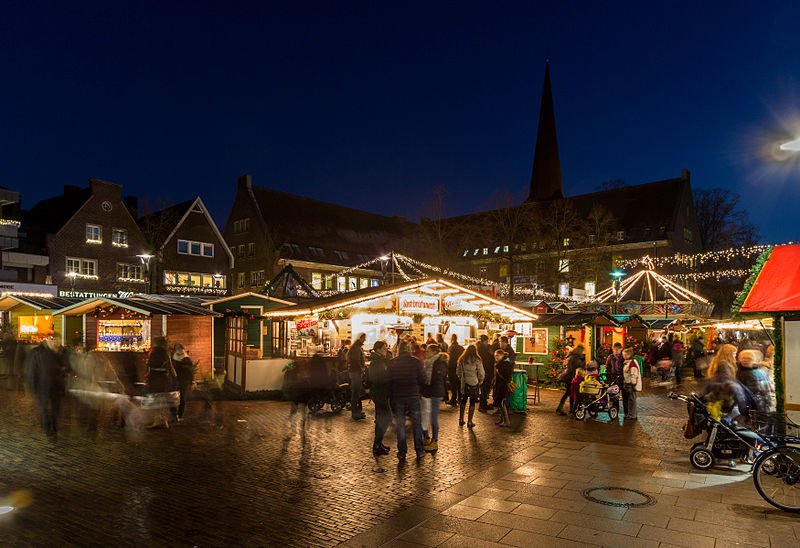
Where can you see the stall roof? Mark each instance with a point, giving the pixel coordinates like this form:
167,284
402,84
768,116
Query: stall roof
248,294
661,323
40,303
575,318
631,320
777,287
432,285
141,304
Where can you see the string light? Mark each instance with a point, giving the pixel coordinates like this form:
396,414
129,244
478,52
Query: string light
700,258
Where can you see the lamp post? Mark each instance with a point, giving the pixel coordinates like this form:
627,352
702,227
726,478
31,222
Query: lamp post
145,258
617,275
72,275
217,281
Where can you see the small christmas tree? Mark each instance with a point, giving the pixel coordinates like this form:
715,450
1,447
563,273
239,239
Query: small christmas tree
557,355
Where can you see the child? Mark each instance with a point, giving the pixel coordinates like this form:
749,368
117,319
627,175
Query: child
591,369
633,382
575,388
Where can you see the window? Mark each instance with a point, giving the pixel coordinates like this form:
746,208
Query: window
687,235
364,283
563,265
483,271
375,283
129,272
352,284
83,268
257,277
241,251
241,279
519,269
485,250
94,234
328,282
119,237
251,249
466,252
476,252
620,235
242,225
503,270
342,255
497,249
505,248
563,289
589,287
199,249
341,283
316,280
316,251
565,242
592,238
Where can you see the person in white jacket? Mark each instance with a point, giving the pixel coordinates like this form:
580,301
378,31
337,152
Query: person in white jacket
632,377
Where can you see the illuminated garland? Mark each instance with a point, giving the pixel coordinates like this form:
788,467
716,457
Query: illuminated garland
352,268
748,284
399,268
700,258
716,274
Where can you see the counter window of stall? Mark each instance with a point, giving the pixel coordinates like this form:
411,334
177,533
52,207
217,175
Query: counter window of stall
465,327
119,335
35,328
379,326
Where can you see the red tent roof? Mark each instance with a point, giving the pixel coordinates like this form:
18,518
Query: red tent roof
777,288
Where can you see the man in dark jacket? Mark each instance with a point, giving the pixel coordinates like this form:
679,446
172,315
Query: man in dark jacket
45,377
379,391
406,377
355,361
487,358
505,346
454,353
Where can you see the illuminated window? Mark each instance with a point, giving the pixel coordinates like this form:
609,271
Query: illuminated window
620,235
352,284
316,280
241,279
119,237
341,283
485,250
505,248
563,289
170,278
364,283
466,252
196,280
497,249
476,252
129,272
589,287
563,265
94,234
503,270
199,249
565,242
375,283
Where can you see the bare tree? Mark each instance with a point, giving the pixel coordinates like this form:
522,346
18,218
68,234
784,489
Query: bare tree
509,225
722,224
594,258
557,231
438,234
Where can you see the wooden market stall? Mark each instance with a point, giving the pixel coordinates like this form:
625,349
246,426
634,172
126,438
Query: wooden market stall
123,329
32,318
319,327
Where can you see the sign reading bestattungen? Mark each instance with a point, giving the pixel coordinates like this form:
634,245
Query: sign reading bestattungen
412,303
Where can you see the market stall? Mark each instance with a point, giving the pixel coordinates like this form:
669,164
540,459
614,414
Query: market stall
123,329
421,307
31,318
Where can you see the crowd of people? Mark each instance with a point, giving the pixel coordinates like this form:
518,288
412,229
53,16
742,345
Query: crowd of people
413,379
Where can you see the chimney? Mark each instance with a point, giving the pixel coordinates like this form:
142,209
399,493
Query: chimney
245,181
132,203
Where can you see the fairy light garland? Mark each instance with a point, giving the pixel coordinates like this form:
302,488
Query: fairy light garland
704,257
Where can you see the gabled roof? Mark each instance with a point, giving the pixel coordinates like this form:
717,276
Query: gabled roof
51,214
570,319
141,304
245,295
167,221
308,222
39,303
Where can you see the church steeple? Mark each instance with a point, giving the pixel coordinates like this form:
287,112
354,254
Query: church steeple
546,181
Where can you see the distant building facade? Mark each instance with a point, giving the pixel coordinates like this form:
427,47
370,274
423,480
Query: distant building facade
190,256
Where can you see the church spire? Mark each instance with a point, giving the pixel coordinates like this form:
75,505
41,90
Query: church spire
546,181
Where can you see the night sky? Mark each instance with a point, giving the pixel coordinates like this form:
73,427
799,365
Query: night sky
370,106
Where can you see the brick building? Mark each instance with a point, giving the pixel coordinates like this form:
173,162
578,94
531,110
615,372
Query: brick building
190,256
91,238
267,229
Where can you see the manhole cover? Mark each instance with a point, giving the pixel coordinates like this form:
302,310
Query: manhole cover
620,497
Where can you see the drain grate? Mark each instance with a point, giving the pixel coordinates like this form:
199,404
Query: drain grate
620,497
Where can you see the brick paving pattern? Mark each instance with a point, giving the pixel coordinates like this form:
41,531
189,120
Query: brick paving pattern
274,477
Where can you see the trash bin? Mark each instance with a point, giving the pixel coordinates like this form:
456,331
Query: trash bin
519,399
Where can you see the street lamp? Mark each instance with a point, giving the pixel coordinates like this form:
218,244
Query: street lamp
145,258
383,259
71,275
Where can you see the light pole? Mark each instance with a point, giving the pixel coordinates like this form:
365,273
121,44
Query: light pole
71,275
617,275
145,258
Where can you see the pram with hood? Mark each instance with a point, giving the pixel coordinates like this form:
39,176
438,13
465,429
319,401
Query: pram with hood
598,397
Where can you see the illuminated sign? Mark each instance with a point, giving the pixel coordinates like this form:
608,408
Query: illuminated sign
418,304
94,294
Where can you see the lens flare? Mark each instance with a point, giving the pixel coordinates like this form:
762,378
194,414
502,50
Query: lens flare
793,146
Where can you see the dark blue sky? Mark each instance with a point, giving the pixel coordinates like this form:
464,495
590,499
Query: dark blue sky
371,106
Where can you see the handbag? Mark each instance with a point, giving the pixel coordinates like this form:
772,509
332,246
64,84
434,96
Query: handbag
512,387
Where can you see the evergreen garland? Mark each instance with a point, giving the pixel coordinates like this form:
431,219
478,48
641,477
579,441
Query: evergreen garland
748,284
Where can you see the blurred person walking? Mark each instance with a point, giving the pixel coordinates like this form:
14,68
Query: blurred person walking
440,342
160,376
379,391
454,353
471,374
750,374
432,395
572,363
633,384
355,360
45,376
406,377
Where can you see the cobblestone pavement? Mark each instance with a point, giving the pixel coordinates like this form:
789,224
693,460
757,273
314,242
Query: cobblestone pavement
275,476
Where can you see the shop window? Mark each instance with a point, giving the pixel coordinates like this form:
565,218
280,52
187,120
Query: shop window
375,283
364,283
129,272
196,280
341,283
316,280
219,281
328,282
184,279
94,234
563,289
170,278
590,288
119,237
241,279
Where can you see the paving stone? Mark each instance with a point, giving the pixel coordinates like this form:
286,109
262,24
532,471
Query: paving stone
526,539
467,528
490,504
592,536
729,532
675,537
426,537
464,512
622,527
516,521
534,511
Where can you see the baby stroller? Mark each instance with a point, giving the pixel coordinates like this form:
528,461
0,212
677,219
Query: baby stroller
597,397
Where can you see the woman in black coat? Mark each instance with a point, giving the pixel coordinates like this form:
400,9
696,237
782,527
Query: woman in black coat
574,361
504,372
184,370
